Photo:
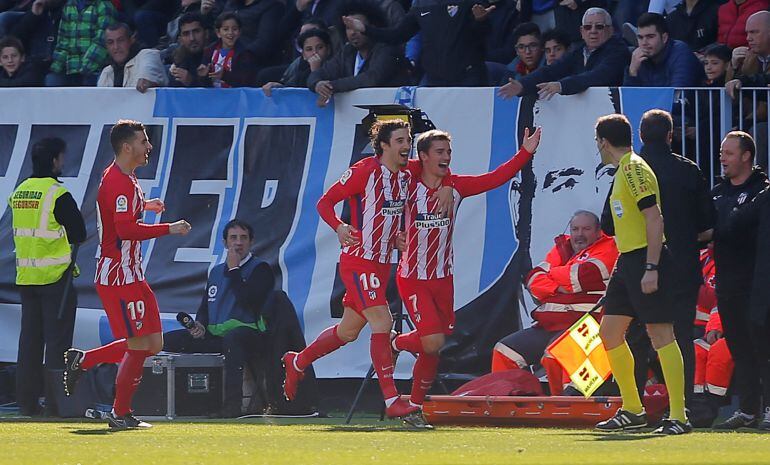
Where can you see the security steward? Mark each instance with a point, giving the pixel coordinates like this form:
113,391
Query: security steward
735,255
688,212
46,221
229,320
640,284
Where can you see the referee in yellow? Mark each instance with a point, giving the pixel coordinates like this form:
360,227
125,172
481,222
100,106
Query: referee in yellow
639,285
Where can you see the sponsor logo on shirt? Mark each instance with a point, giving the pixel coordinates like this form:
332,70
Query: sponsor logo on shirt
431,221
121,204
742,198
212,293
617,208
392,207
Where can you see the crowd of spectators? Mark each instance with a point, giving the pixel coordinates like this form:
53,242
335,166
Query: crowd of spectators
525,46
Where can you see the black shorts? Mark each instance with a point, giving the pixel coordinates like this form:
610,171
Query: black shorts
530,343
624,292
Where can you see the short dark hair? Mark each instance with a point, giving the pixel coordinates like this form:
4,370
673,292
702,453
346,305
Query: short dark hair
653,19
615,128
189,18
44,152
557,35
321,34
655,126
123,131
425,140
316,21
236,223
11,41
720,51
745,142
372,11
228,15
526,29
118,27
382,130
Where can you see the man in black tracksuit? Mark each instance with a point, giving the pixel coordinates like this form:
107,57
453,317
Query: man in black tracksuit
735,256
452,34
687,212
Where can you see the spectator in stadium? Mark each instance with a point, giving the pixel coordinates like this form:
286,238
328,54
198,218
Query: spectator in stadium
228,62
130,66
151,19
37,29
686,204
169,42
601,61
751,64
276,73
529,51
660,61
12,11
16,70
230,320
260,22
555,45
455,62
567,284
716,65
500,41
361,62
732,17
188,56
568,15
80,54
316,49
694,22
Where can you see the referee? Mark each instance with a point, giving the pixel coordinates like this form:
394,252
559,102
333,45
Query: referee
633,291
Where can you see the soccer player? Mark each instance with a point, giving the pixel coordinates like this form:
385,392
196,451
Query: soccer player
128,301
640,286
376,188
425,273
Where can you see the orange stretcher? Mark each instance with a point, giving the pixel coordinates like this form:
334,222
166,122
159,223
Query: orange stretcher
530,411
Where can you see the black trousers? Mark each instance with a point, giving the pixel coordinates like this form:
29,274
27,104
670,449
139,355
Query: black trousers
240,346
683,301
43,332
749,345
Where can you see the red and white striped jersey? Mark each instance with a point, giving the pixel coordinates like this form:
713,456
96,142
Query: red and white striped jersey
376,196
119,198
429,253
707,298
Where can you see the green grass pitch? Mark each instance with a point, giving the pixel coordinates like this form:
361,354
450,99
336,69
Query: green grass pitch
368,441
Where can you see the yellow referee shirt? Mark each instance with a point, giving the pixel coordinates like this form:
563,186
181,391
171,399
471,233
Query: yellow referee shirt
635,189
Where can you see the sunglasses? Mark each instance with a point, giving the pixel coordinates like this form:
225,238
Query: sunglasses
598,27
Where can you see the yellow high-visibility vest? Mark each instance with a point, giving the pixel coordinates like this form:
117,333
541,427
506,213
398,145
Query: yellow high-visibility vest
42,250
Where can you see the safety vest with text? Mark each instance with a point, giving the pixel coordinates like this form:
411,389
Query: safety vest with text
42,248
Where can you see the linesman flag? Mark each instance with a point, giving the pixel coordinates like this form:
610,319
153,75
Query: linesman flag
581,353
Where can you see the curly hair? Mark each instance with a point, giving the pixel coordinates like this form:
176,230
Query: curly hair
381,131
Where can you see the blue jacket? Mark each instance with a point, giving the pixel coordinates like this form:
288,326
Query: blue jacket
604,67
677,66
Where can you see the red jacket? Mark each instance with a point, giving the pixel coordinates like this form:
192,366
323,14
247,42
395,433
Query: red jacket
584,277
732,21
707,298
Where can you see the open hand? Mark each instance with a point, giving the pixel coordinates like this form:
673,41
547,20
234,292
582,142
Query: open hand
531,142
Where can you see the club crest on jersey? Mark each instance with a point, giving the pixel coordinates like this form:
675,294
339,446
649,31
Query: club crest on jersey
121,204
431,221
372,295
212,292
742,198
452,10
392,207
138,325
345,176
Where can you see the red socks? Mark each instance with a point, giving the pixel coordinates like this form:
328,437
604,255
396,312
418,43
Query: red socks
422,376
409,342
129,376
325,343
382,359
111,353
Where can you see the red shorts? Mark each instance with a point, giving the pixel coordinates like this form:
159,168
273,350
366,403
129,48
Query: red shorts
430,304
366,282
131,309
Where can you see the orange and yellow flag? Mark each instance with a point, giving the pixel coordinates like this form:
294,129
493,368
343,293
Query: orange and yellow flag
581,353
